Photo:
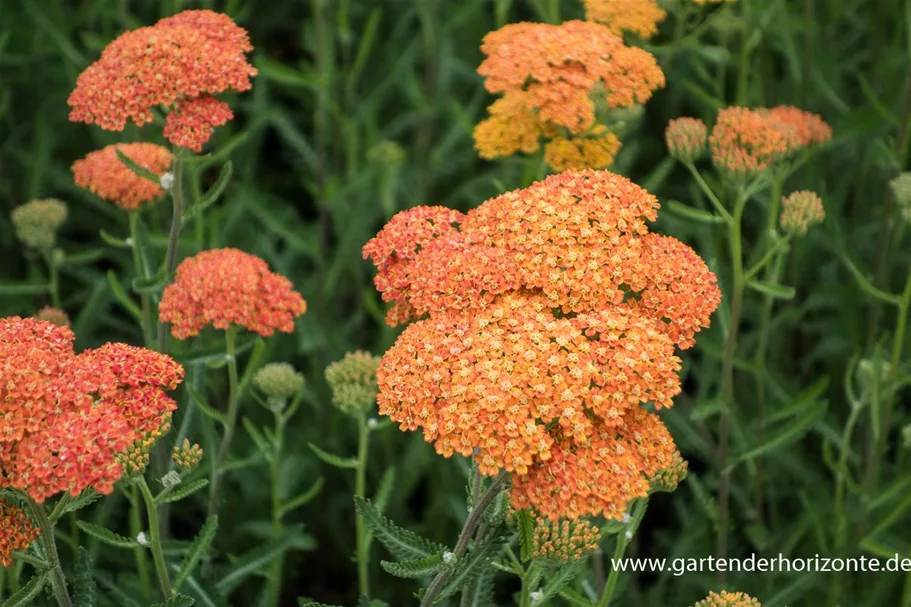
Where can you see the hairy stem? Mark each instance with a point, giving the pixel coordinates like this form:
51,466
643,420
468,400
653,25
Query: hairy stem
142,566
177,199
275,575
233,400
360,482
58,580
148,319
161,566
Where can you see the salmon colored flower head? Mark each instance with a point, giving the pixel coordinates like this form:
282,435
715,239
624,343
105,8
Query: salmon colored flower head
746,142
800,211
70,418
728,599
810,129
105,175
686,138
227,287
54,315
192,55
17,531
639,17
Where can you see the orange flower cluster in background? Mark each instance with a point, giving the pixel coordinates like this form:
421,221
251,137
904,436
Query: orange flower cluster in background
639,17
225,287
67,417
545,318
800,211
554,79
105,175
17,531
179,63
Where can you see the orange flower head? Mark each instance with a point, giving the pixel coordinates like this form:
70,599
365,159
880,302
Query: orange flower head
564,540
686,138
810,128
512,127
639,17
800,211
53,315
728,599
225,287
590,152
193,54
747,142
192,122
560,67
71,418
17,531
105,175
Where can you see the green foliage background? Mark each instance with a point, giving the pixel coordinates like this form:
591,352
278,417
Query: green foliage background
365,107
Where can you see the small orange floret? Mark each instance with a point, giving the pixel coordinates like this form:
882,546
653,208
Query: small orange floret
192,122
105,175
225,287
639,17
192,54
564,540
17,531
746,142
512,127
592,152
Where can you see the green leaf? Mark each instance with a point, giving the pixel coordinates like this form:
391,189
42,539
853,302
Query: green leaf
305,602
120,594
128,304
472,565
526,528
558,582
415,568
482,590
27,593
84,589
106,536
178,600
201,544
772,289
791,432
72,504
139,170
403,544
255,560
257,437
304,498
203,406
150,284
114,241
334,460
574,598
23,289
211,194
181,491
689,213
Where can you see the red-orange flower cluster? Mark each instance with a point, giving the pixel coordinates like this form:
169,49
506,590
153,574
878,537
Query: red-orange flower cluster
546,318
225,287
17,531
182,60
553,79
810,129
67,417
105,175
639,17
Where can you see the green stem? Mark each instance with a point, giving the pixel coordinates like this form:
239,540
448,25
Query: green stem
471,524
177,199
53,286
142,566
841,522
527,588
275,463
719,208
743,72
161,566
360,482
148,319
25,557
233,401
727,380
58,580
610,587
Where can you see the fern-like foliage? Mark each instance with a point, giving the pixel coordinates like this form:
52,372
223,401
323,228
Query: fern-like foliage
198,549
84,589
415,568
403,544
473,564
29,592
178,600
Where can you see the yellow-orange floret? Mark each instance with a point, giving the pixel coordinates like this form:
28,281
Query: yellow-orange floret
728,599
17,531
639,17
227,287
596,151
105,175
512,127
192,122
564,540
746,142
810,129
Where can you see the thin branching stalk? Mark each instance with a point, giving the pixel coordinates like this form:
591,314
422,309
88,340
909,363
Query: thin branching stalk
148,318
360,487
177,199
233,402
273,593
142,565
58,579
471,524
53,286
610,587
841,521
161,565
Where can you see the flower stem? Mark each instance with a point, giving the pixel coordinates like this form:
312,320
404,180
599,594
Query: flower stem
142,566
161,566
471,524
225,446
58,580
622,542
53,286
274,588
148,320
173,238
360,482
841,522
727,380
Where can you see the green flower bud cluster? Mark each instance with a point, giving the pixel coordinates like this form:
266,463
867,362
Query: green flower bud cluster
278,381
36,222
353,382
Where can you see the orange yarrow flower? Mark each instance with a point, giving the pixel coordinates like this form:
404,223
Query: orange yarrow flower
227,287
190,124
686,138
564,540
17,531
547,317
728,599
105,175
592,152
746,142
639,17
810,129
800,211
68,418
176,62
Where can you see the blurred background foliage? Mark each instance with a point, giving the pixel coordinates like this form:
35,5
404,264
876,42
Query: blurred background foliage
365,107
